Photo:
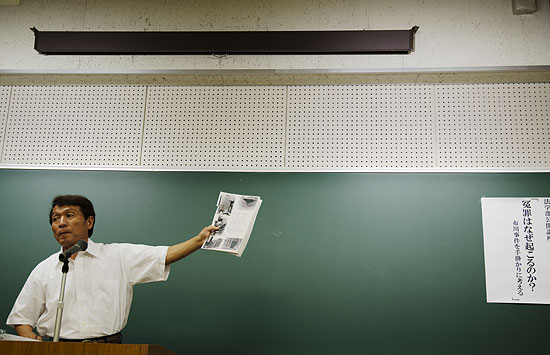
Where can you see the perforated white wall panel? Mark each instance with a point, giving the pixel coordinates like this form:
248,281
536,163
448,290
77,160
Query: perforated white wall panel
356,126
4,105
215,127
75,125
273,127
493,125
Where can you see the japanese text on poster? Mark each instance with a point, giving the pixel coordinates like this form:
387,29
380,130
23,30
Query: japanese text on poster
516,236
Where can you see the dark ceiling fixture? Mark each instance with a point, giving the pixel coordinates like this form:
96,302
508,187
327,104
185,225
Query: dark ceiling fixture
222,43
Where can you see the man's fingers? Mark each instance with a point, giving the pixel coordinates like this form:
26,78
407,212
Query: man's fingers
210,229
32,336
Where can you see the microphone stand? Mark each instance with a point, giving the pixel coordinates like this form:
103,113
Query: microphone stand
60,305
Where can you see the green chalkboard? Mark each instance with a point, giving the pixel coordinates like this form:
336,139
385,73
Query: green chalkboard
338,263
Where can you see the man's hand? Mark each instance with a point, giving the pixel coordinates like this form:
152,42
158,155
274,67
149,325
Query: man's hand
205,233
181,250
25,330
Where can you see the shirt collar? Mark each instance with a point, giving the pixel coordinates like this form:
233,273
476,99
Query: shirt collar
93,248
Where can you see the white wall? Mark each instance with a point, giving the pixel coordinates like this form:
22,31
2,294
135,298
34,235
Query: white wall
458,34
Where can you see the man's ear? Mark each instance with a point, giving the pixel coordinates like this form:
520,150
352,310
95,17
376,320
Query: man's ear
90,221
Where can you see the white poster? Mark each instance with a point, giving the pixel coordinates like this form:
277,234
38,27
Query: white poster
516,236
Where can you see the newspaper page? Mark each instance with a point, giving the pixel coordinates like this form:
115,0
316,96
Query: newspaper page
516,234
235,216
11,337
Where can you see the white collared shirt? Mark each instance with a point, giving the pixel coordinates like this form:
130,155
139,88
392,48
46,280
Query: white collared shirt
98,291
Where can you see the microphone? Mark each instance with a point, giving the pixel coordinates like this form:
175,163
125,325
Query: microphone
81,245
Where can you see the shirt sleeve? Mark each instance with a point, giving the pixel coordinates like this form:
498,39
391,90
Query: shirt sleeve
30,303
145,263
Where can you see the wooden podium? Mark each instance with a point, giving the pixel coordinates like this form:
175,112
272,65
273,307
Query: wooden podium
49,348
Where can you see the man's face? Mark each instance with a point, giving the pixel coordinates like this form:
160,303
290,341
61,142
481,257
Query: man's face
69,225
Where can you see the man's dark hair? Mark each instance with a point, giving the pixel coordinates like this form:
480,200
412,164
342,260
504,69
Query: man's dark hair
86,206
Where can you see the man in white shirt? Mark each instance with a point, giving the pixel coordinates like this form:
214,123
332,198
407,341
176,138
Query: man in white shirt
99,285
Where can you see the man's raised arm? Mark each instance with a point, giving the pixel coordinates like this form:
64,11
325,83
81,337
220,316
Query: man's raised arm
181,250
